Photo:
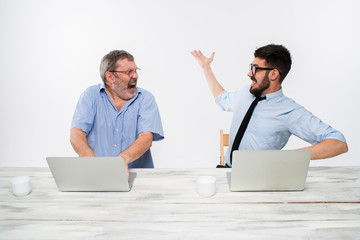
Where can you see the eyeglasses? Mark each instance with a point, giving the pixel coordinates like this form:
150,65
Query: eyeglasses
130,72
254,68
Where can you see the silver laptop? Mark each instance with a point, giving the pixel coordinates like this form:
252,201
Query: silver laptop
90,174
269,170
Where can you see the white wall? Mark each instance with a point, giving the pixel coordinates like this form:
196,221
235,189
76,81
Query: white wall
50,52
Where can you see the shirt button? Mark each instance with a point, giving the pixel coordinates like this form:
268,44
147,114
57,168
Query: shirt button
116,130
115,145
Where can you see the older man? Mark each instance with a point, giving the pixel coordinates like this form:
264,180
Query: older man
117,118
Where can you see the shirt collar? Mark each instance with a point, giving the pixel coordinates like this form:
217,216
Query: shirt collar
274,95
102,86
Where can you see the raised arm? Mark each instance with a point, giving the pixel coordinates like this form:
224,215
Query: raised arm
204,63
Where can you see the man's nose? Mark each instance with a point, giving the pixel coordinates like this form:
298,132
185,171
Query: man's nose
135,75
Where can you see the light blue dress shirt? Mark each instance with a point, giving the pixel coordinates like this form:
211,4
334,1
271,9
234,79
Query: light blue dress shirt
273,121
109,131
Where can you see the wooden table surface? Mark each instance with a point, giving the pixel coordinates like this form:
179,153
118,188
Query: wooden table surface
164,204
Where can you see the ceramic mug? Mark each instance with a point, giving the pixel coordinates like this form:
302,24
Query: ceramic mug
21,186
206,186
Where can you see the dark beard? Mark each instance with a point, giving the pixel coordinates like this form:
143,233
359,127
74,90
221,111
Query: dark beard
265,84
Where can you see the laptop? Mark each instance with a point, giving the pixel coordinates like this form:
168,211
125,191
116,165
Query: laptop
91,174
269,170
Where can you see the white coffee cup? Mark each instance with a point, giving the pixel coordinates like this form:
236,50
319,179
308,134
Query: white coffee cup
206,186
21,186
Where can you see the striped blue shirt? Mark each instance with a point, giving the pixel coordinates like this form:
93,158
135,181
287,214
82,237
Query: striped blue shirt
109,131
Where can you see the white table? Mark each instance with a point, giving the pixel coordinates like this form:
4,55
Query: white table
163,204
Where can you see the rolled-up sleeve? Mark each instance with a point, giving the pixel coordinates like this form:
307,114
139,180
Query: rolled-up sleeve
310,128
83,117
227,100
149,118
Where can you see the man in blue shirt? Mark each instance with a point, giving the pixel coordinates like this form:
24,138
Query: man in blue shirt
116,118
277,117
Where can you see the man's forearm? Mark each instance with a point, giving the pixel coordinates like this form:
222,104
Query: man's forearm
327,149
80,144
214,85
138,148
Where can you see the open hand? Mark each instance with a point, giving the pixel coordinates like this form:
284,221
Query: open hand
202,60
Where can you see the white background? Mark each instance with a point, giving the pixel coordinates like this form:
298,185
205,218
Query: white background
50,53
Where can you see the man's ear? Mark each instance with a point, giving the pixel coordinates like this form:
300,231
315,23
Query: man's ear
274,75
109,77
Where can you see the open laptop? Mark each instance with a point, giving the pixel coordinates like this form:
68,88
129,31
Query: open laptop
269,170
92,174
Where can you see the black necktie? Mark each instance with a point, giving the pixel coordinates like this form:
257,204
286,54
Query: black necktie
244,124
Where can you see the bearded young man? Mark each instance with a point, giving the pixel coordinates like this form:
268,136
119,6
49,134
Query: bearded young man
116,118
275,117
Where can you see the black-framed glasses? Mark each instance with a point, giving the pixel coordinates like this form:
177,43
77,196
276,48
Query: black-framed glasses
254,68
130,72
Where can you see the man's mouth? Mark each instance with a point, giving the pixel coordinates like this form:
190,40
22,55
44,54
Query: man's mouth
253,81
132,84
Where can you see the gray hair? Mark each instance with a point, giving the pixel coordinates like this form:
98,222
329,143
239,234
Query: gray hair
108,62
